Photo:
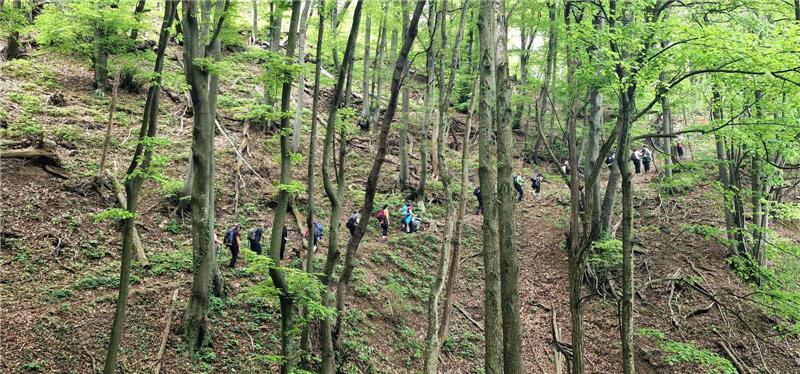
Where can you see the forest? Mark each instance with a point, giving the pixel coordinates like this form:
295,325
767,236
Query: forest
400,186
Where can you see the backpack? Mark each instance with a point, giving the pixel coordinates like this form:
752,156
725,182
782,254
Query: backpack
318,228
518,179
252,235
645,156
381,216
404,210
229,235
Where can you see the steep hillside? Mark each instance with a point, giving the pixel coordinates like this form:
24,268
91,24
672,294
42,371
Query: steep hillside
60,263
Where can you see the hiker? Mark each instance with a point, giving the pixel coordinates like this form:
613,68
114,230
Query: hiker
610,160
406,215
647,157
255,240
636,157
232,241
565,167
479,196
383,220
284,240
536,184
679,148
317,230
518,186
353,221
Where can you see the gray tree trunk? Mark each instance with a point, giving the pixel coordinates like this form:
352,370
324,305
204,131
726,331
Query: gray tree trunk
12,43
137,12
544,91
493,334
404,127
379,63
366,104
400,70
133,184
424,149
301,79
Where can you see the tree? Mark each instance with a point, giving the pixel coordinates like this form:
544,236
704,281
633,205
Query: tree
137,170
328,365
493,334
278,220
424,148
137,13
400,71
14,19
89,29
301,79
403,173
200,50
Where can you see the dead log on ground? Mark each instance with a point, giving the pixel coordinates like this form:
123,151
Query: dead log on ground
44,154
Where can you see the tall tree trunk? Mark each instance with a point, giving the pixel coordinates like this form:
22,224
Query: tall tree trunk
544,90
434,337
509,267
400,70
305,341
452,273
278,221
609,199
404,127
424,148
379,62
109,125
493,338
100,61
365,104
12,43
592,149
203,94
133,184
627,324
137,13
722,167
254,31
666,122
301,79
328,365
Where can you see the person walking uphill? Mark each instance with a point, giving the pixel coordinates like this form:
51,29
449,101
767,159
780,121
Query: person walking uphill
536,184
383,220
353,221
232,241
518,186
647,158
255,240
636,157
479,197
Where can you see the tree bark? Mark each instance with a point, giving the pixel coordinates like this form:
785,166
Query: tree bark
486,156
109,125
424,148
301,79
366,104
549,68
100,61
509,267
254,31
328,365
379,62
133,184
400,70
404,127
203,92
278,222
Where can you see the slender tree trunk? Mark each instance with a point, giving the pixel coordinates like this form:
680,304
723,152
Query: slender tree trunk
609,200
493,338
549,67
400,70
379,63
452,273
722,167
592,150
278,222
137,13
254,31
432,123
424,149
100,61
666,123
133,184
12,43
109,125
301,79
404,127
328,365
203,94
627,324
305,341
509,267
365,104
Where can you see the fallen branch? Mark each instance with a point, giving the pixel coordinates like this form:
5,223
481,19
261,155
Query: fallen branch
737,362
474,322
44,153
94,365
700,311
239,155
165,334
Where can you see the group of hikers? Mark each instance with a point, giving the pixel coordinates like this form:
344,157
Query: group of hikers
536,184
410,223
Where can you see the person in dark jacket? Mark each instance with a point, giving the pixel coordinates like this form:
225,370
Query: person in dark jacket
232,241
517,181
479,197
679,148
284,239
255,240
636,157
536,184
353,221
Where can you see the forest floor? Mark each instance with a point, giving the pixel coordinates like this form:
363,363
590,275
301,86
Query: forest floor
60,266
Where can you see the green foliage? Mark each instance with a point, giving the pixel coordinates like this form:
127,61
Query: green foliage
70,27
292,188
60,294
687,353
35,366
113,213
711,362
605,259
789,211
95,282
170,262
